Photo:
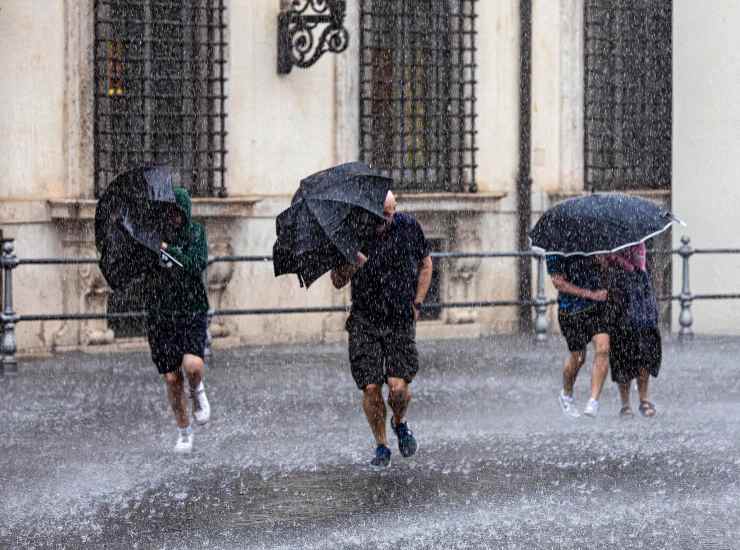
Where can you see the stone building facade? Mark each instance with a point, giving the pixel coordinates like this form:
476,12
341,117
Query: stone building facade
76,69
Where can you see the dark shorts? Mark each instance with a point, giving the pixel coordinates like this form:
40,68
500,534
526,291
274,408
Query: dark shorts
376,354
172,337
580,327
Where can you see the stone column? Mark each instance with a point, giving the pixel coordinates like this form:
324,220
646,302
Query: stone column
94,298
84,287
219,274
221,219
461,280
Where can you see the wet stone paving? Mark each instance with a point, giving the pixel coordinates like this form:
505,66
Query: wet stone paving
86,457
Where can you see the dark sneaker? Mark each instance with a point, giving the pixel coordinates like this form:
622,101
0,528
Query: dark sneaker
382,458
406,440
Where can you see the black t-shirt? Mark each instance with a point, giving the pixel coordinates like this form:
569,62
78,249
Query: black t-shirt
383,290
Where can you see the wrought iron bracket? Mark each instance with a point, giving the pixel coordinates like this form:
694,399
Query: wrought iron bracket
298,20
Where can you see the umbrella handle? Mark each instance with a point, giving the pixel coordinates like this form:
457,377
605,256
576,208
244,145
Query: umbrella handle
169,257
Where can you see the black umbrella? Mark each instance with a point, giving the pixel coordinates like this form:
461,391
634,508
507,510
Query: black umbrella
598,224
333,213
130,222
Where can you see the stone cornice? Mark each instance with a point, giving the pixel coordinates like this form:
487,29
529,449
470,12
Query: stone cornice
450,202
23,210
650,194
270,205
659,197
230,207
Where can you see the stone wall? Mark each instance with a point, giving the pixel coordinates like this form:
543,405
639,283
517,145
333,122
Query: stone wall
281,128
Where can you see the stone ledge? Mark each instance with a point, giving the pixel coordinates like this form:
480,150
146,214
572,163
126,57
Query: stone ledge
450,202
650,194
203,207
271,205
15,211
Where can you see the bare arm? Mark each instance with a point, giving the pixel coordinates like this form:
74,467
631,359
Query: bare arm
565,287
342,275
422,285
425,279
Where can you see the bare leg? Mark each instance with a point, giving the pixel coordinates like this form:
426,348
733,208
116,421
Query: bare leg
374,407
573,364
624,394
399,398
646,407
642,384
176,395
193,367
601,364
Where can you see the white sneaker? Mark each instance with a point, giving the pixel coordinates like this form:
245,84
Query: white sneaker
184,443
568,405
201,407
592,408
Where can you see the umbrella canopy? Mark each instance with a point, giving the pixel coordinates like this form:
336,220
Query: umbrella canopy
129,222
333,213
598,224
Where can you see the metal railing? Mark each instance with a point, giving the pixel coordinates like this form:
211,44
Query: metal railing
9,317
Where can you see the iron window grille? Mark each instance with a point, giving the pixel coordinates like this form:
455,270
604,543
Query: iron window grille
417,92
628,94
160,90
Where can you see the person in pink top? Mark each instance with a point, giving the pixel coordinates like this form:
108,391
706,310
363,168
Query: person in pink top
630,259
633,318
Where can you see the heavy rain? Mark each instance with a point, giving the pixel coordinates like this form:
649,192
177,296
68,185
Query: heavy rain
369,274
86,456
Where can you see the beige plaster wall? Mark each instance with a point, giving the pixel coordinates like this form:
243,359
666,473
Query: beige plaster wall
32,92
281,127
498,93
706,141
31,98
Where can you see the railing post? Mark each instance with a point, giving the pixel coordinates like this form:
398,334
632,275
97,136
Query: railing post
540,303
9,261
207,352
685,318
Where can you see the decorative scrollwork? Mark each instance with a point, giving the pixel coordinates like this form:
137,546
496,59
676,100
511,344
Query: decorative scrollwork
297,45
317,6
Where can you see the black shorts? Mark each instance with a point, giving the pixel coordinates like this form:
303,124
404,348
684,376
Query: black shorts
172,337
579,328
376,354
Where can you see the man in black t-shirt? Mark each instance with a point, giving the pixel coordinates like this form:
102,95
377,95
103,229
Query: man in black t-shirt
389,283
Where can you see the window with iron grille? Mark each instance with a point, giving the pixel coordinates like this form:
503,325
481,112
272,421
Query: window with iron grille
160,90
628,94
417,92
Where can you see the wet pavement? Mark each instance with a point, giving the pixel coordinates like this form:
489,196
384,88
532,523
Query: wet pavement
86,457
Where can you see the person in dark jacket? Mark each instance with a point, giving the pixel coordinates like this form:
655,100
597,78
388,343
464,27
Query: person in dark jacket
177,320
389,283
636,349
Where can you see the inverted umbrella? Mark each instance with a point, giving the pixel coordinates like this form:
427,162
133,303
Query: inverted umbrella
598,224
130,222
332,215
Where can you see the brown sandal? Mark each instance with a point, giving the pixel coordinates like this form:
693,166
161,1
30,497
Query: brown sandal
626,412
647,409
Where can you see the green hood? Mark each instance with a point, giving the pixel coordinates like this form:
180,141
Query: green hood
182,198
181,289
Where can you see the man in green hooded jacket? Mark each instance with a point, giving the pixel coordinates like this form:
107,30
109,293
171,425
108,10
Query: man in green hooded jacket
177,320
